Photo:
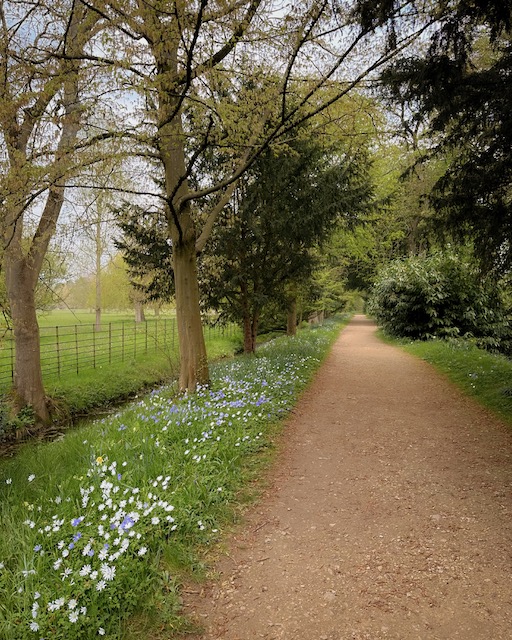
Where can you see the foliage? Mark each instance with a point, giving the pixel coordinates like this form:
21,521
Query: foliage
146,250
290,201
441,295
99,525
463,84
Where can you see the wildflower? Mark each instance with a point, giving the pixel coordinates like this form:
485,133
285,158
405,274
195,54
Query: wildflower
101,631
99,460
72,604
34,626
73,616
85,570
56,604
101,584
31,477
8,481
107,571
76,521
142,551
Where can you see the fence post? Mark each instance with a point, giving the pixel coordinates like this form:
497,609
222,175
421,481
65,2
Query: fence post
134,340
93,346
76,348
110,343
146,345
58,349
156,335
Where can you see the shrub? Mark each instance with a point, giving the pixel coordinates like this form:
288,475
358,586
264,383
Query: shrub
441,295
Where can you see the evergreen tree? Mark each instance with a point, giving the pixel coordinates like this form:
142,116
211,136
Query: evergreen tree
463,85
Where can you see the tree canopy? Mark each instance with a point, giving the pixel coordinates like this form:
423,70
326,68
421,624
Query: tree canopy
462,87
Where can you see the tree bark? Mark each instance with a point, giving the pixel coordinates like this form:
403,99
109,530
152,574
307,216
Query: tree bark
98,275
193,357
28,381
139,312
182,230
250,322
291,318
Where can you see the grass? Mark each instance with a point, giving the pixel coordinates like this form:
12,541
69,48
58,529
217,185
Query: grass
73,394
485,376
101,527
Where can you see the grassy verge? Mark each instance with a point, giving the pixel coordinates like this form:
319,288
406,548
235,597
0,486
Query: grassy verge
99,528
485,376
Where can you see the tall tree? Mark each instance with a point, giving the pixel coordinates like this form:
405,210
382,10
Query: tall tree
462,87
284,207
178,53
41,110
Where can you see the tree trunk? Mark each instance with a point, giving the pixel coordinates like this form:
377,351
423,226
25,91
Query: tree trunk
193,357
139,312
98,276
28,379
291,319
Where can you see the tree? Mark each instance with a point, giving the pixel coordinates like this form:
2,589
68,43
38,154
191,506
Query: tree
462,86
170,57
41,110
284,207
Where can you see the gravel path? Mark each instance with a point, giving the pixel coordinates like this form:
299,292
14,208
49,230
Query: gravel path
388,514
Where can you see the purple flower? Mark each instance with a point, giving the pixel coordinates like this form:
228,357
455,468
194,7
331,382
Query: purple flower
127,523
76,521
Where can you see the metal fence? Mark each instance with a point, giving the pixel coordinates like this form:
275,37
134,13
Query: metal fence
75,348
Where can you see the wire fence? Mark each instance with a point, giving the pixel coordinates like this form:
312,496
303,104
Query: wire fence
75,348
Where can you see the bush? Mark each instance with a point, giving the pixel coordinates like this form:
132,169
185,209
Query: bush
441,296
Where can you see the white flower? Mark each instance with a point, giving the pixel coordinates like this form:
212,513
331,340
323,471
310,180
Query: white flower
56,604
34,626
155,520
85,570
101,585
73,616
142,551
57,563
8,481
31,477
72,604
101,631
66,573
107,571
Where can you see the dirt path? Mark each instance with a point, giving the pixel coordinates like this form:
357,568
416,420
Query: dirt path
388,515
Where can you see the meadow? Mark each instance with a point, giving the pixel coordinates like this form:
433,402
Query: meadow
101,528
